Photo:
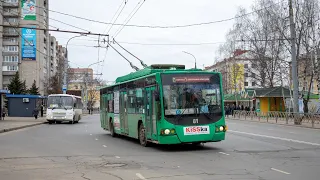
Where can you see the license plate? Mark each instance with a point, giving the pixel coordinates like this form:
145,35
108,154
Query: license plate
196,130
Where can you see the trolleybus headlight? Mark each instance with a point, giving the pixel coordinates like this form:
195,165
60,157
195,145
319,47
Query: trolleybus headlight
221,128
168,132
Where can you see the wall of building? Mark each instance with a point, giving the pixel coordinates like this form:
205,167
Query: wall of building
48,52
11,60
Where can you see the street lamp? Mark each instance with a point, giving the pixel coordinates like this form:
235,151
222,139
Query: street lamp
195,60
88,78
64,88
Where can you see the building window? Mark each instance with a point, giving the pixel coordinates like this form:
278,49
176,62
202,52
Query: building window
12,68
13,40
10,48
246,75
10,30
245,65
253,83
12,20
246,84
11,59
11,1
253,75
13,11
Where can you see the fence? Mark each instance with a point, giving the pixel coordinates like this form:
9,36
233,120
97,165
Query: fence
304,119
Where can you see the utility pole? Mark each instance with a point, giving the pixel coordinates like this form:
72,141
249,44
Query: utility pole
64,88
294,62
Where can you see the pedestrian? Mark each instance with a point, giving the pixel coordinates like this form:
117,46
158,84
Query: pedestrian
41,110
35,113
3,114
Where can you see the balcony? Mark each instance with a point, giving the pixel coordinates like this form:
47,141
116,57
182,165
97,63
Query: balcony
9,73
10,4
10,33
10,53
10,43
6,23
10,14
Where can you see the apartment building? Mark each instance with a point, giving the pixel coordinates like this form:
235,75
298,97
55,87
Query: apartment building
306,67
54,56
23,49
238,72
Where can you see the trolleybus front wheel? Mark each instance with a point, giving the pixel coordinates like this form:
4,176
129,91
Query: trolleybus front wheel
111,129
142,136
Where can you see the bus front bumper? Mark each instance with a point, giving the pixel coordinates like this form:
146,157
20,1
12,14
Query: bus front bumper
61,119
174,139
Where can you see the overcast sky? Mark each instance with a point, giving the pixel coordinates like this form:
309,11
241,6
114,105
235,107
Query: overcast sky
152,12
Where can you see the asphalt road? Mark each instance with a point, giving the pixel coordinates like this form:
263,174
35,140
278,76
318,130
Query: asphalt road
84,151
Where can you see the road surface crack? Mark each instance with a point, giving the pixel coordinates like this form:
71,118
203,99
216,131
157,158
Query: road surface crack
111,175
83,176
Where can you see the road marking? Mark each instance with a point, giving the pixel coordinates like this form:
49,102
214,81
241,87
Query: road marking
104,146
140,176
292,133
279,171
224,153
90,134
96,139
117,157
278,138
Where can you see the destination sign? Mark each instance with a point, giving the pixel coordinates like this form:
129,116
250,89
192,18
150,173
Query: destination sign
193,79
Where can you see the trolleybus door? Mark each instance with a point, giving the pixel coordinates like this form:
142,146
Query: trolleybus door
151,121
123,113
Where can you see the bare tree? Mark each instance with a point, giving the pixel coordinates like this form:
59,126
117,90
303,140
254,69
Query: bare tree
265,43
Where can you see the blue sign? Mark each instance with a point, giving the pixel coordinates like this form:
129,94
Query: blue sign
28,44
178,111
64,87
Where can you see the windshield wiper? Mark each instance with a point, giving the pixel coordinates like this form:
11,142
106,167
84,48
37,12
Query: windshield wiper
64,107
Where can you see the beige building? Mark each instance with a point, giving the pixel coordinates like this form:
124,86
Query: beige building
305,70
82,83
237,72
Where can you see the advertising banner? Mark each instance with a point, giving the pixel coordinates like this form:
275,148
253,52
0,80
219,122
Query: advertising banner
28,10
28,44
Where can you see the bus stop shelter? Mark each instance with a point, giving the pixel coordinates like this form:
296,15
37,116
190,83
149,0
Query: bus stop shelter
23,105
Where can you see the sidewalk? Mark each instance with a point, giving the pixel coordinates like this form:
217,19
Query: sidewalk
280,121
14,123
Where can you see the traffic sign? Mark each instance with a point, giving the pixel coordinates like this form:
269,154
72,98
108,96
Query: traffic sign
64,87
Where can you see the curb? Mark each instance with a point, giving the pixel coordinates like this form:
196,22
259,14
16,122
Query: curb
20,127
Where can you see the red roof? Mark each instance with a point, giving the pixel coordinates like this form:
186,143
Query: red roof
237,52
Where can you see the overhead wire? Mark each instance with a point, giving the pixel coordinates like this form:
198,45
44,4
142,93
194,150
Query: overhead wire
141,62
111,25
130,17
171,44
56,30
131,64
15,27
113,21
163,27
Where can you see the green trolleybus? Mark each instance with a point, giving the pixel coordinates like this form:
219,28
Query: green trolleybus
165,104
